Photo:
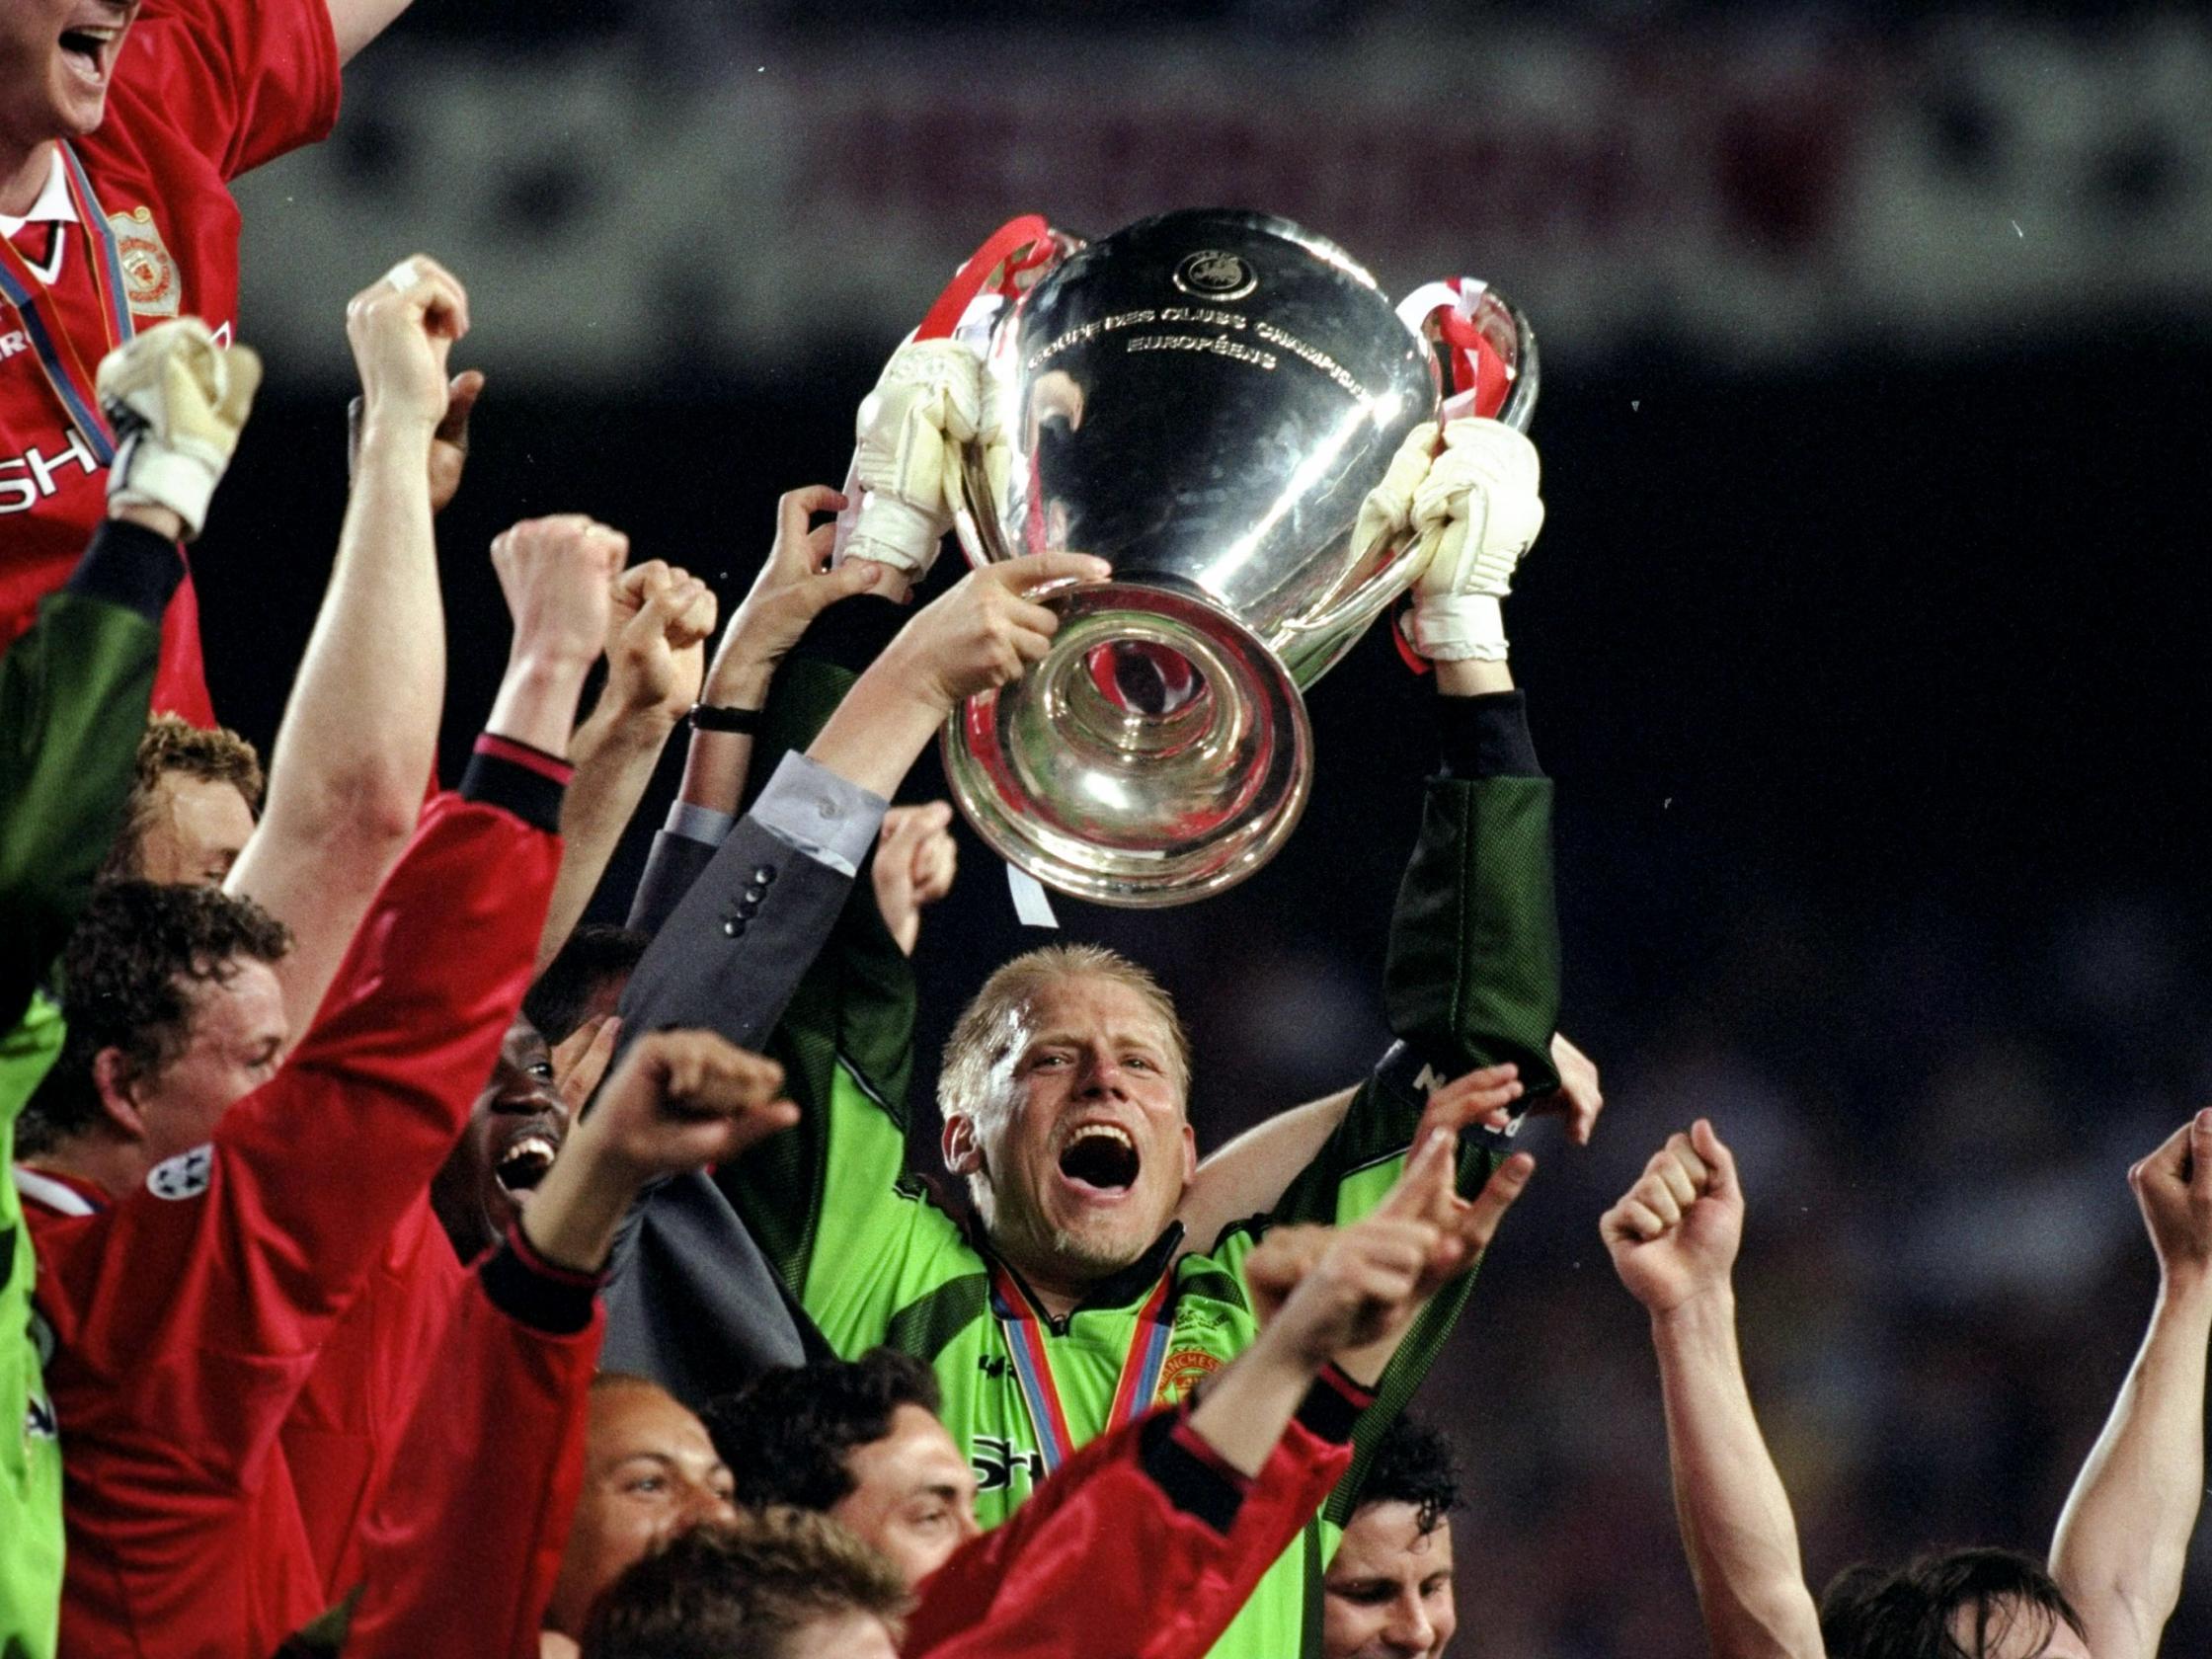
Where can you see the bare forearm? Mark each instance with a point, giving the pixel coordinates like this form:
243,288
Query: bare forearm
1736,1524
1245,1409
575,1214
876,734
614,758
1251,1173
359,21
2122,1539
361,731
1473,677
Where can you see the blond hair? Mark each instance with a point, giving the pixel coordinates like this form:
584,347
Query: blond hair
171,744
984,1034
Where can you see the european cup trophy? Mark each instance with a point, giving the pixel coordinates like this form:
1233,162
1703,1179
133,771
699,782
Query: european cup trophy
1204,400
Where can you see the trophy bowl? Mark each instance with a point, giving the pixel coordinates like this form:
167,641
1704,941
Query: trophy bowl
1204,400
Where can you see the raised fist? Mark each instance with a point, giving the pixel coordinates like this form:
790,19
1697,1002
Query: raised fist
401,327
660,617
679,1101
557,573
177,402
1674,1234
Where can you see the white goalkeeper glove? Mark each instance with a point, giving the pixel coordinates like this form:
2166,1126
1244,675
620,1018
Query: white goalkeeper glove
1387,513
177,402
1476,511
927,404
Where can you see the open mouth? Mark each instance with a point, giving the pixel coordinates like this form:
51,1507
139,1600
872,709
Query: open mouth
1101,1156
524,1162
90,45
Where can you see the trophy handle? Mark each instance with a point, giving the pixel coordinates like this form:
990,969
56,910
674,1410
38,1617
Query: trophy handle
1494,373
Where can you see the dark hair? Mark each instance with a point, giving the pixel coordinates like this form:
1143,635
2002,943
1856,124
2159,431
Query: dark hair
715,1591
1413,1465
786,1434
594,953
131,975
171,744
1868,1613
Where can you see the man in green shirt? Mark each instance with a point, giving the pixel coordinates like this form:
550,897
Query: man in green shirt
73,698
1098,1278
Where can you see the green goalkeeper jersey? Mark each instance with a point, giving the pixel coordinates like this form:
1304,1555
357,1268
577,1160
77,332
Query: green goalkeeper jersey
1471,980
73,694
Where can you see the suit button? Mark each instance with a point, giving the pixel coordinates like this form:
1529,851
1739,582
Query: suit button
754,894
763,874
733,927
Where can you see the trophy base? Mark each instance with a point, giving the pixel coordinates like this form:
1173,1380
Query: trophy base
1158,754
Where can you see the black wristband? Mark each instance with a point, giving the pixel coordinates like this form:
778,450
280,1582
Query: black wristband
715,717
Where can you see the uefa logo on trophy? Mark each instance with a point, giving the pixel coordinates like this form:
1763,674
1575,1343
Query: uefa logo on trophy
1204,400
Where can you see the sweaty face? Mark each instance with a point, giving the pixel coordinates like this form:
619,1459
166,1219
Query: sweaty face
237,1041
913,1494
514,1133
650,1471
1389,1588
1086,1150
57,60
194,829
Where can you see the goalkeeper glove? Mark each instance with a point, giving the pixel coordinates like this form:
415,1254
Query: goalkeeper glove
176,402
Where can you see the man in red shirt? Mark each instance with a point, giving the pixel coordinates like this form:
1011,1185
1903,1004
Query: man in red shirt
206,1203
119,138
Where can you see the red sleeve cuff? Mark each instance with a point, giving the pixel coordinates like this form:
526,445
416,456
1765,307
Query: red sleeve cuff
526,781
1196,1478
528,1289
1332,1406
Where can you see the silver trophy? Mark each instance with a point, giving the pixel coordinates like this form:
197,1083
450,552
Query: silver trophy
1203,399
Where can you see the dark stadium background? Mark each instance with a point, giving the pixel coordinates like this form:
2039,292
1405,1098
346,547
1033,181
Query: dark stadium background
1874,684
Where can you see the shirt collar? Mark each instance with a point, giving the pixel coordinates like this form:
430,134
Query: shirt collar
57,1193
53,202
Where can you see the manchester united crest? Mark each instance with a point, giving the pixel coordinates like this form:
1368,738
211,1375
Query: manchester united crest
150,278
1183,1369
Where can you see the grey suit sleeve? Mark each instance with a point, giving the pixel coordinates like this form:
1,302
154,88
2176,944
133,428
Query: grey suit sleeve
674,865
690,1301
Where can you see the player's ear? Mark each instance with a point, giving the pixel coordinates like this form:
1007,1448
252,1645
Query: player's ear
963,1153
1190,1154
115,1082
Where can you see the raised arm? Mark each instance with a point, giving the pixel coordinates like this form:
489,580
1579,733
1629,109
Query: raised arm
661,619
1674,1238
466,1540
2123,1537
359,735
790,590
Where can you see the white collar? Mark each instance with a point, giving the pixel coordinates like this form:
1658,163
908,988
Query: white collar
55,1195
53,202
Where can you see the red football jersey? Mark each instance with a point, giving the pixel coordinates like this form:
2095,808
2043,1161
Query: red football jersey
204,91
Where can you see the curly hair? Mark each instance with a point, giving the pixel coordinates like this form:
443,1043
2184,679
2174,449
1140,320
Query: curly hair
984,1033
171,744
131,975
1908,1614
1413,1465
751,1588
787,1433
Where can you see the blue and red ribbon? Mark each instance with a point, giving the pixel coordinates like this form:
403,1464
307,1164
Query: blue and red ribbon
73,384
1141,1368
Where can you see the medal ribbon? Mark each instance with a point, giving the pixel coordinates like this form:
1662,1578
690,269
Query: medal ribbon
1141,1373
57,354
